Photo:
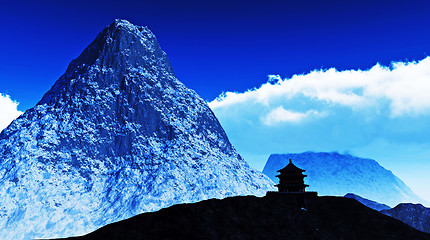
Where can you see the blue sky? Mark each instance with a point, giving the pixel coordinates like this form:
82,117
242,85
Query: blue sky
369,110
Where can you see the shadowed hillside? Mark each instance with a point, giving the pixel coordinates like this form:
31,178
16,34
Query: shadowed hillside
274,217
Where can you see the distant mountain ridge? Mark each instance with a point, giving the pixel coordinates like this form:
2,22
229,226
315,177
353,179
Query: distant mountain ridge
368,203
338,174
415,215
117,135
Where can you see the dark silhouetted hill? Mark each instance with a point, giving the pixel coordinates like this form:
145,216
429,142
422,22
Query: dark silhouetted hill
273,217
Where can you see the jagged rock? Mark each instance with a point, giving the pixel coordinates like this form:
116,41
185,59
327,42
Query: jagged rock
117,135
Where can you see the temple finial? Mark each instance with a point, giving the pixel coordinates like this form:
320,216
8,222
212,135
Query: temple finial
290,161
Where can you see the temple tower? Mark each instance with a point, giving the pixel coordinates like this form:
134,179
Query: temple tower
291,186
291,179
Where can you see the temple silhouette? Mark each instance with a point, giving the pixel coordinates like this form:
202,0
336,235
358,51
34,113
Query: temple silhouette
291,179
292,184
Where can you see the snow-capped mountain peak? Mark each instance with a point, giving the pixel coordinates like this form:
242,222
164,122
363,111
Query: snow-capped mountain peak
116,135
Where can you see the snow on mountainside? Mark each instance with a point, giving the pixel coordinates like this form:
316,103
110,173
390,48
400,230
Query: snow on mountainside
117,135
338,174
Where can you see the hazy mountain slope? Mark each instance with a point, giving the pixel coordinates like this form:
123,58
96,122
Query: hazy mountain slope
115,136
415,215
368,203
338,174
271,217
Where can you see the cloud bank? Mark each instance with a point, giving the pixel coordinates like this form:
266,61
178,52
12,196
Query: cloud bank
405,87
331,110
8,111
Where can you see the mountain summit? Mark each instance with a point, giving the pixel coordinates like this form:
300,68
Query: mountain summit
117,135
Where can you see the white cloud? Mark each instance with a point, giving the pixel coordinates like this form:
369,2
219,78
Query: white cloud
381,113
8,111
280,115
330,110
404,86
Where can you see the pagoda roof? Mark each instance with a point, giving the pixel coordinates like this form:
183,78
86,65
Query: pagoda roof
291,168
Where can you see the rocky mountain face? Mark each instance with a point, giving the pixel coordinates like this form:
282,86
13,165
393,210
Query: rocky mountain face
368,203
415,215
117,135
338,174
271,217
